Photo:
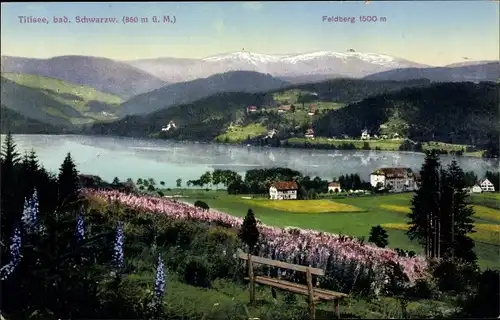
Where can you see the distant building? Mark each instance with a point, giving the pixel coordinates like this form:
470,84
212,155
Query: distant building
251,109
486,185
312,110
272,133
334,187
284,108
309,134
171,125
283,190
476,189
365,135
394,179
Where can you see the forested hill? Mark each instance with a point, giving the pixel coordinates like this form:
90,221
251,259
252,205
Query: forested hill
464,113
201,120
14,122
206,118
351,90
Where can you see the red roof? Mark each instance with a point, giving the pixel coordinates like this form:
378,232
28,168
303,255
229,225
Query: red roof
252,108
285,185
284,107
334,184
310,131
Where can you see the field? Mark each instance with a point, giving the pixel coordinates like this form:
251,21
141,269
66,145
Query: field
238,134
481,212
309,206
78,97
485,233
370,211
388,145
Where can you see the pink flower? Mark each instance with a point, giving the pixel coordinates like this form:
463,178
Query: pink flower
288,243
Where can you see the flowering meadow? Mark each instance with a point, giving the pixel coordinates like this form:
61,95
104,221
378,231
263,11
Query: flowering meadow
340,256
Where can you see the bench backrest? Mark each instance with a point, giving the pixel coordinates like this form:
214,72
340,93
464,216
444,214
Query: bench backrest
280,264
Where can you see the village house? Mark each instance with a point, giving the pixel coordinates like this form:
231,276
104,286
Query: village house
334,187
365,135
312,110
171,125
394,179
476,189
283,190
251,109
284,108
309,134
272,133
486,185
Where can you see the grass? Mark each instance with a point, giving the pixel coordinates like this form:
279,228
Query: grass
386,145
226,298
238,134
309,206
76,96
372,211
480,212
486,233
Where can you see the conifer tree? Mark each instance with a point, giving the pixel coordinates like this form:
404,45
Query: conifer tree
457,214
441,216
378,236
248,232
68,182
425,205
11,200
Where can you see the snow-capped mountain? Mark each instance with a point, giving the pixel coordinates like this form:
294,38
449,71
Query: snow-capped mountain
347,64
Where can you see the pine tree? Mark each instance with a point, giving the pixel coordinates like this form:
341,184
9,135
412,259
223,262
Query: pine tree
441,216
248,232
457,215
425,206
11,200
68,182
378,236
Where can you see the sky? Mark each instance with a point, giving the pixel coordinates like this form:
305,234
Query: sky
429,32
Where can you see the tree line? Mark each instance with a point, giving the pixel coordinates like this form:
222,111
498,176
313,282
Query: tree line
257,181
460,113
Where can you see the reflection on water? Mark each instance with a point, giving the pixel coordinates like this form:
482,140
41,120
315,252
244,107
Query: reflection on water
164,160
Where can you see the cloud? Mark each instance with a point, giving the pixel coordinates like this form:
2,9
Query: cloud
252,5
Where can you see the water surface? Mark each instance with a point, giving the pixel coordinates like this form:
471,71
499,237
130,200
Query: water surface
167,161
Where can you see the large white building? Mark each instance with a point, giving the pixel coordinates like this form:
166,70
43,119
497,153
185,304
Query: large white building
486,185
394,179
283,190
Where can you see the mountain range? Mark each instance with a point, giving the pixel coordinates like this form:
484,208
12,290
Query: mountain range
489,71
325,63
186,92
69,90
102,74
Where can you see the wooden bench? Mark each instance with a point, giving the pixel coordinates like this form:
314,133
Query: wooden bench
315,295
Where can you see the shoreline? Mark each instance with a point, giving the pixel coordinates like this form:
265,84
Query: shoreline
333,147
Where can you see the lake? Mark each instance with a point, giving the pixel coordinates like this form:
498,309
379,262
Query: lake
110,157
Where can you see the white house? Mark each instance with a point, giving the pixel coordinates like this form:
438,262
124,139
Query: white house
171,125
476,189
272,133
309,134
486,185
334,187
394,179
283,190
365,135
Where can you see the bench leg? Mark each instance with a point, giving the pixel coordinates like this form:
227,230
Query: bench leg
336,304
